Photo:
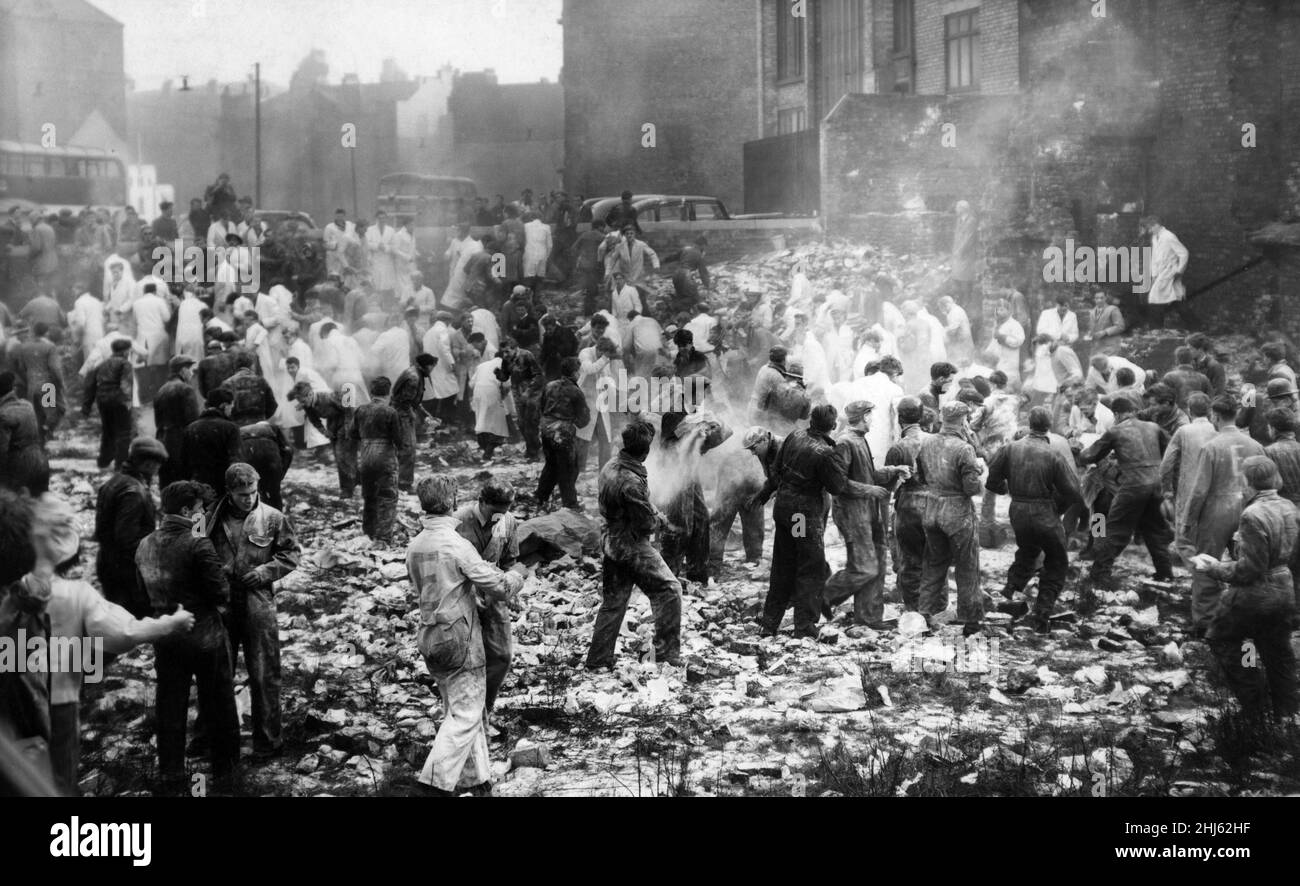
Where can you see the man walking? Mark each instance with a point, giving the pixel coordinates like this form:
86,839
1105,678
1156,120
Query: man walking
378,432
564,410
124,516
210,444
1042,484
408,393
630,558
111,388
175,408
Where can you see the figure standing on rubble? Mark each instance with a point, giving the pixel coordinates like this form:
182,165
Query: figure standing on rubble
1040,481
448,575
909,505
1261,602
1212,511
861,523
629,556
378,432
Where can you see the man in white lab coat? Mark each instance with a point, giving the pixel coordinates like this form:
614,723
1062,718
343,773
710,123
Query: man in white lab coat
379,243
1164,273
1059,323
335,236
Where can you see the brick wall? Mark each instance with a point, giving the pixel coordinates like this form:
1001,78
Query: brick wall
999,54
689,68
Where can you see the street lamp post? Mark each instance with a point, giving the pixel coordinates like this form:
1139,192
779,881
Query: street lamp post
257,133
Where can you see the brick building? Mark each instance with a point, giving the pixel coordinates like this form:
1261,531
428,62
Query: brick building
507,136
684,66
60,62
1056,119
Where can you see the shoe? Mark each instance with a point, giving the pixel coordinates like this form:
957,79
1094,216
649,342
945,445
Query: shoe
1040,624
828,612
1166,578
1015,610
882,626
1009,592
428,790
970,629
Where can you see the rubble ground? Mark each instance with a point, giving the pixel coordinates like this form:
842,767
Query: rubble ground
1116,700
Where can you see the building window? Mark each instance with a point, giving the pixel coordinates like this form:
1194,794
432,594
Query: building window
791,120
789,42
904,46
962,45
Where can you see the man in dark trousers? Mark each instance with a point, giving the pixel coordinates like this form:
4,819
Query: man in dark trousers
257,547
630,558
408,392
178,567
22,456
909,505
254,400
558,341
860,523
947,466
378,432
1212,511
1039,480
1139,447
111,388
806,470
40,378
211,443
1260,604
174,408
124,516
564,409
332,418
268,449
684,542
521,369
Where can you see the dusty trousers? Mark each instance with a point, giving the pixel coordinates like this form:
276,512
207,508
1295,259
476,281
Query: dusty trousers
498,647
685,542
951,540
253,627
1134,508
458,759
345,460
530,422
909,552
799,569
731,502
641,565
377,462
201,656
406,455
863,575
114,434
1038,531
1264,616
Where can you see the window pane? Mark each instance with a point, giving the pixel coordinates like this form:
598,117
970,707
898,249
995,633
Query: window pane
705,211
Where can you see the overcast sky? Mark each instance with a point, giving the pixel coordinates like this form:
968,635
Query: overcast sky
221,39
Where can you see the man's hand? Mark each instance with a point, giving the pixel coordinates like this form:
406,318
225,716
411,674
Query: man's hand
877,493
754,501
182,621
1203,562
251,579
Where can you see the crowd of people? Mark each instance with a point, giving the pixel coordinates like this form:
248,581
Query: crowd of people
883,411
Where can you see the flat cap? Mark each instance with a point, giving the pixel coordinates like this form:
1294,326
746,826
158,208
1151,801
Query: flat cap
857,409
955,411
1280,387
180,361
146,447
756,435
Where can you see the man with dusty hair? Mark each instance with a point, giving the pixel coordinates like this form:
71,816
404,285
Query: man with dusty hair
449,575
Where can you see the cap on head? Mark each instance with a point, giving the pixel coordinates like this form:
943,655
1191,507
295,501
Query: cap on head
1261,472
755,436
954,412
857,409
143,448
180,361
241,477
1280,387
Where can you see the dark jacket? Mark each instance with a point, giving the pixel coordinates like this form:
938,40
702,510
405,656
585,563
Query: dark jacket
124,516
1138,446
1186,380
408,390
210,445
1033,471
265,542
37,363
564,408
376,421
330,416
22,458
624,498
174,567
947,466
254,399
911,492
524,374
261,433
175,406
1285,452
1213,370
111,382
1266,543
807,469
213,371
559,343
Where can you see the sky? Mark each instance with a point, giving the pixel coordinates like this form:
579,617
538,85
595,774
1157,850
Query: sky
221,39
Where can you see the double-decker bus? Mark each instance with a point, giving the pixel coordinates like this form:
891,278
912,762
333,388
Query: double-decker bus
56,178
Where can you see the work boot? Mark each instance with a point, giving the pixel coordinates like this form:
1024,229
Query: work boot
970,629
1008,591
1014,609
1166,577
1039,623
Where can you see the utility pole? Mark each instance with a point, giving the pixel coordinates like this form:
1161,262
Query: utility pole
257,132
